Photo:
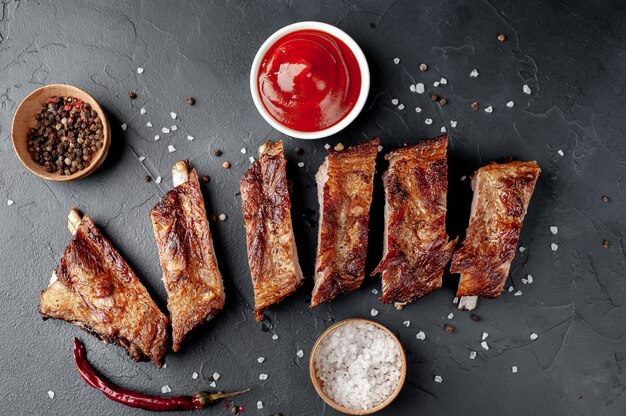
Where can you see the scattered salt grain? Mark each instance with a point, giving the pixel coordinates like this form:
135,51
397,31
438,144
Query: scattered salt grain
243,150
260,360
560,152
451,315
216,376
262,376
142,111
474,73
194,375
300,164
514,369
213,384
463,177
166,389
189,137
171,148
380,148
428,121
453,123
396,61
485,335
251,159
142,158
9,202
140,70
510,104
489,109
554,229
275,337
401,107
443,130
359,365
51,394
173,115
420,335
174,127
518,293
522,249
375,291
419,88
511,289
412,88
156,137
529,278
484,345
394,101
158,179
165,130
472,355
326,146
406,323
300,353
149,124
438,379
259,405
554,246
124,126
418,110
443,81
164,365
374,312
455,300
524,280
534,336
436,83
526,89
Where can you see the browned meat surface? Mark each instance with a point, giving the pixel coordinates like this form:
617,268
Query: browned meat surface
195,292
272,254
501,196
416,248
97,291
345,183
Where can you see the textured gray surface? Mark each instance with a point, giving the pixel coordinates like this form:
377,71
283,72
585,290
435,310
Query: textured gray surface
571,55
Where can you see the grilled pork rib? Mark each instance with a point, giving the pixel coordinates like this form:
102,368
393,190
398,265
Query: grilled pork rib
501,196
193,282
96,290
345,183
416,247
266,205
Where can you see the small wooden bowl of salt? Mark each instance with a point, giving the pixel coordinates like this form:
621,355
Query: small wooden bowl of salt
357,366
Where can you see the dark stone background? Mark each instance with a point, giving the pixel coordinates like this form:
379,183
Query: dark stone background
571,54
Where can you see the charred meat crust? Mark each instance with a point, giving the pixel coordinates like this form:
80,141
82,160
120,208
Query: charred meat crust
97,291
190,272
416,247
502,193
266,205
345,185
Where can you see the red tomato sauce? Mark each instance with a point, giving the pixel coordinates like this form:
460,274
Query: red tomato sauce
309,80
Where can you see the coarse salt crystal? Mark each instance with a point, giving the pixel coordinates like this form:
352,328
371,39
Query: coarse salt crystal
396,61
463,177
438,379
510,104
213,384
142,111
166,389
149,124
522,249
375,291
326,146
485,335
450,315
453,123
156,137
164,365
165,130
474,73
484,345
251,159
554,229
514,369
534,336
401,107
419,88
216,376
420,335
9,202
406,323
173,115
526,89
394,101
158,179
511,289
443,81
51,394
262,376
443,130
194,375
124,126
380,148
412,88
436,83
530,278
554,246
489,109
518,293
243,150
418,110
455,300
260,360
142,158
300,164
374,312
259,405
300,353
174,128
189,137
171,148
560,152
472,355
275,337
428,121
140,70
524,280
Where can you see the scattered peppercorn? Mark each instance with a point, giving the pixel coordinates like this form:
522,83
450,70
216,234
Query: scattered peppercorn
132,95
147,178
475,317
67,133
605,244
222,217
423,67
475,105
299,151
339,147
190,101
443,101
206,179
217,152
225,405
605,199
434,97
501,37
226,165
449,328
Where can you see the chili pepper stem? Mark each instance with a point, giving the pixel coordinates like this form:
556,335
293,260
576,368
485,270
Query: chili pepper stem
205,398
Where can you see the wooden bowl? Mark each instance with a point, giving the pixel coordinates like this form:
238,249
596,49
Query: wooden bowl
318,384
24,120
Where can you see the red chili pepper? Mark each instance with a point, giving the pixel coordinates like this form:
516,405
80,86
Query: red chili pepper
140,400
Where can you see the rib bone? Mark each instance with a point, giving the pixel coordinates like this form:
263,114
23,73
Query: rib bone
73,220
180,172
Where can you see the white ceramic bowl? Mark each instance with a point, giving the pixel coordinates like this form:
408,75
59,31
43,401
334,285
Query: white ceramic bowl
339,34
